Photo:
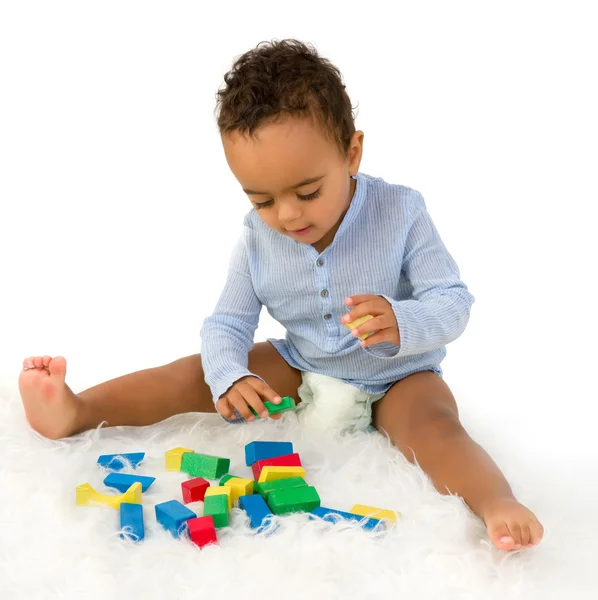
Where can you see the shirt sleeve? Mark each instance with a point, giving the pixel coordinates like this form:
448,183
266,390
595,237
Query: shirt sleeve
227,335
441,304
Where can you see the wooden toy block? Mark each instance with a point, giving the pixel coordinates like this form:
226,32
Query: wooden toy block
288,460
273,473
332,515
266,487
117,462
86,496
375,513
194,490
220,490
225,478
217,507
239,487
131,522
255,451
257,510
122,481
204,465
173,516
174,457
291,500
357,323
202,531
287,403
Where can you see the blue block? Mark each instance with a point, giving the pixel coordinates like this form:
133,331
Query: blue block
122,481
257,510
173,516
115,462
131,521
261,450
332,515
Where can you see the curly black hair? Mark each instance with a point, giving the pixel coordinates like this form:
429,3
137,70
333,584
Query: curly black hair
285,78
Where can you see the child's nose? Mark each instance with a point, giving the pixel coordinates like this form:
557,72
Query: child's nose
289,213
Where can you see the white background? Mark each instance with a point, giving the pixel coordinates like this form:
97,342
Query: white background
118,211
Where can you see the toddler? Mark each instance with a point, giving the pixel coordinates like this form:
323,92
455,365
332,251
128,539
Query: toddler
322,246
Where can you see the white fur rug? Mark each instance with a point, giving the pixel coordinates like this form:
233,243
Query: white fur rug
52,549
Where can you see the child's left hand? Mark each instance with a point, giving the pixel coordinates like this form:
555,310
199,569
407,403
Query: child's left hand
384,324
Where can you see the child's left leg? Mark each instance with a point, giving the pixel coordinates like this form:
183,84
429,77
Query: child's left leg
420,415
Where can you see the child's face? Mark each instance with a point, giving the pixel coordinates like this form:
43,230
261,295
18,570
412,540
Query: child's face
288,153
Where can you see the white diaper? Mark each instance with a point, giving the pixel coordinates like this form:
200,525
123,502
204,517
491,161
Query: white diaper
330,404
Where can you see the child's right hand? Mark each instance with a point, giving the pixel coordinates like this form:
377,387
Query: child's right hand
247,391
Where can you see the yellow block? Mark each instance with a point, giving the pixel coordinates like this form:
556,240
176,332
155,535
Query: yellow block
357,323
215,490
174,458
270,473
86,495
375,513
239,487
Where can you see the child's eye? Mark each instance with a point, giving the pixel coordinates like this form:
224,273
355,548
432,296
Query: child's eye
311,196
259,205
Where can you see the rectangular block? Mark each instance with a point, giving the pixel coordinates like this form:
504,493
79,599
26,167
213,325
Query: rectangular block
225,478
287,460
173,457
239,486
217,507
292,500
202,531
375,513
255,451
204,465
194,490
287,403
220,490
131,522
123,481
117,462
266,487
273,473
257,510
332,515
173,516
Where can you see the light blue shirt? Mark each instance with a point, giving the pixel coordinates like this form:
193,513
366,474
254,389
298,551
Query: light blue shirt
386,245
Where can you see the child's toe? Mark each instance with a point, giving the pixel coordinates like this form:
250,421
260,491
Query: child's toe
501,536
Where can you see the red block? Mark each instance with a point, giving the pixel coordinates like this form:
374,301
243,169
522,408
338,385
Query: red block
288,460
202,531
194,490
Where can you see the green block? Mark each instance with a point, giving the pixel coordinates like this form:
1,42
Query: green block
204,465
291,500
264,488
287,403
225,478
217,506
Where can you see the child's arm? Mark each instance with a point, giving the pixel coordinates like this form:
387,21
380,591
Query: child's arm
439,312
227,335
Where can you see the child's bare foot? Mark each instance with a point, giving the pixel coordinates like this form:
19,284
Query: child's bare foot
510,525
51,407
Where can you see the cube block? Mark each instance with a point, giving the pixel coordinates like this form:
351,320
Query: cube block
202,530
220,490
239,486
173,458
266,487
194,490
217,507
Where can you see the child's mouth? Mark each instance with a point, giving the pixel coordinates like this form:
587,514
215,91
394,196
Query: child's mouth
301,231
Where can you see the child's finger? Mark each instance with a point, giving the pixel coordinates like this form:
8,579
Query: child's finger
369,326
238,401
358,299
265,391
380,336
224,408
252,398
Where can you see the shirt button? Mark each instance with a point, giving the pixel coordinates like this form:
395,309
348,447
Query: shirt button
328,316
324,293
320,262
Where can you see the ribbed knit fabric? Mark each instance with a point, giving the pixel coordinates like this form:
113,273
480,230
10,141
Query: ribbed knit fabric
386,245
